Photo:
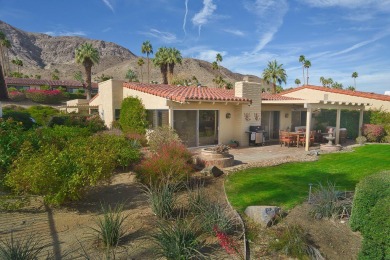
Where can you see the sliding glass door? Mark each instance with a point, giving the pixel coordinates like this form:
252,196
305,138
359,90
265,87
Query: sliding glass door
196,127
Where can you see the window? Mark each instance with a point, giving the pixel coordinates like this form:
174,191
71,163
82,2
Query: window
157,118
117,114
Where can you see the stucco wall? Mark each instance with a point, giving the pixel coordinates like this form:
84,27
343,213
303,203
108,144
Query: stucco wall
315,95
110,98
150,101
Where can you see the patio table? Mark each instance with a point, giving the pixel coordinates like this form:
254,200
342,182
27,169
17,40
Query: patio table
297,135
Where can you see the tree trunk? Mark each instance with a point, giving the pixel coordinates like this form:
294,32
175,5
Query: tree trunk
171,66
303,75
274,87
142,75
148,68
2,60
3,86
88,72
164,72
307,74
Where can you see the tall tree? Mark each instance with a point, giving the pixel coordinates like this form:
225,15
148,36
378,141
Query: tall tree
354,76
131,76
298,82
174,57
88,56
141,63
302,60
307,66
161,60
148,49
18,63
351,88
275,73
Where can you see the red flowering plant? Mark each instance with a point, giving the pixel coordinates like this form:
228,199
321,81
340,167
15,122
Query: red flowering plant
45,96
16,96
227,242
373,133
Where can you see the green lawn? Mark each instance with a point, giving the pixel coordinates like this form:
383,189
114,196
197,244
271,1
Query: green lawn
287,185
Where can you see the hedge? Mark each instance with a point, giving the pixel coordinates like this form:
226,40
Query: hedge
370,215
133,116
45,96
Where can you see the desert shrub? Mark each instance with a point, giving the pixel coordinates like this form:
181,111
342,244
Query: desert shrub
172,163
161,136
60,135
12,136
42,114
133,116
380,117
180,239
373,133
228,243
93,122
162,199
326,201
26,247
45,96
16,96
293,241
386,139
110,227
11,89
371,202
64,174
19,116
213,215
139,138
361,139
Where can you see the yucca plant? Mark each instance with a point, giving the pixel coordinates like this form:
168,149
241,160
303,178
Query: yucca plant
24,248
110,227
176,240
162,199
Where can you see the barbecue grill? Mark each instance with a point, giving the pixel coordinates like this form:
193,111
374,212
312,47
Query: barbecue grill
256,135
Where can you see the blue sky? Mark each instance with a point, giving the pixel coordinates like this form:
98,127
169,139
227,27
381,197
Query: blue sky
337,36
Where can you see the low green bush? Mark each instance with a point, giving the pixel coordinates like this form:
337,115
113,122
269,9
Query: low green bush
368,191
60,135
93,122
369,215
63,173
45,96
172,163
162,199
42,114
19,116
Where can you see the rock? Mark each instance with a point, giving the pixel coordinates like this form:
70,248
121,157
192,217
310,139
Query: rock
263,215
212,171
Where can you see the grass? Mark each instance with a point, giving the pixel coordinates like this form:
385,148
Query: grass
287,185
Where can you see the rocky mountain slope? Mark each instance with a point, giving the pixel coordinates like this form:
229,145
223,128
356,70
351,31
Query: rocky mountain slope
42,54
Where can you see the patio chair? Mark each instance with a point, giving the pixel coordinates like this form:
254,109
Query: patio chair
285,138
302,139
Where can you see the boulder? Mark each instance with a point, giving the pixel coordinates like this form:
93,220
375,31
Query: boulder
263,215
212,171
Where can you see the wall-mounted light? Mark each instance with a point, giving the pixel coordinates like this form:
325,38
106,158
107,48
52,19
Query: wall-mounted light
228,115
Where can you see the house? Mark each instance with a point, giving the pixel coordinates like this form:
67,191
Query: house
310,92
206,116
27,83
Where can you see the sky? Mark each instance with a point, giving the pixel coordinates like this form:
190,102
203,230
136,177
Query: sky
339,37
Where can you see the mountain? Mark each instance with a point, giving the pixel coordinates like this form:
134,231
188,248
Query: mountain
42,54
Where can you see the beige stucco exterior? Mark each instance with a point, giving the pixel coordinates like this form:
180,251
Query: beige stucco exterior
315,95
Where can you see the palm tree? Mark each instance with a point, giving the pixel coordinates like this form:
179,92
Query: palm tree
140,63
274,73
3,87
131,76
302,60
18,63
161,60
337,85
4,43
298,82
307,66
174,57
354,76
148,49
88,56
351,88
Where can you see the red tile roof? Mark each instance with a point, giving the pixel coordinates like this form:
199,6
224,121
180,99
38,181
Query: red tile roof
183,93
40,82
269,96
341,91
